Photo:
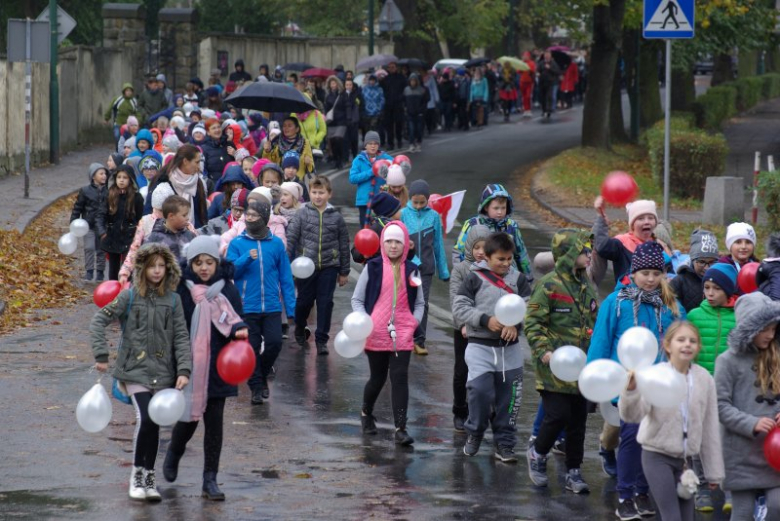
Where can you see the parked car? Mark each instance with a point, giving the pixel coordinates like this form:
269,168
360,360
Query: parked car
448,62
703,65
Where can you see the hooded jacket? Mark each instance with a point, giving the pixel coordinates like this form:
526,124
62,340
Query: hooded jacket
320,236
688,287
374,98
768,277
462,269
143,135
91,198
119,227
425,229
175,241
155,345
562,310
151,102
233,174
714,325
361,173
416,98
740,402
258,280
122,108
476,301
215,157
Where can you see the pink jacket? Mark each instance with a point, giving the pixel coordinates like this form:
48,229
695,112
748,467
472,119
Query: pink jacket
277,225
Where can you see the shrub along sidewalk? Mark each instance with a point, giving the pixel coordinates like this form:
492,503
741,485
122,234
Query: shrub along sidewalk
720,103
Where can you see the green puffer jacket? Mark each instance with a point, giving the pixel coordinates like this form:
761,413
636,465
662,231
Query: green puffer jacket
122,108
155,347
714,326
562,310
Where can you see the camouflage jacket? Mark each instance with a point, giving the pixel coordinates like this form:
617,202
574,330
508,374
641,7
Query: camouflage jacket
562,309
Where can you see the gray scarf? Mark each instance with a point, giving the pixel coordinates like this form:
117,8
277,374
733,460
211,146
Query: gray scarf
638,297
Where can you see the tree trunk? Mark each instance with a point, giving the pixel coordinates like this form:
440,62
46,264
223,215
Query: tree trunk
617,125
650,109
684,91
631,40
607,31
722,69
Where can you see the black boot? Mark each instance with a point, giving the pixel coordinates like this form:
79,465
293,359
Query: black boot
368,422
402,438
211,490
99,276
171,465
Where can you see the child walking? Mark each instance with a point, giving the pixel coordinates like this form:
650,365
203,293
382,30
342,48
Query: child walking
173,229
118,217
89,203
669,436
362,174
212,309
747,378
646,301
561,312
741,244
687,284
494,388
154,354
386,292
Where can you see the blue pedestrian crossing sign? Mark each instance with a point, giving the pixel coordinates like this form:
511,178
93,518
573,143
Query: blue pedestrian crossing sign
668,19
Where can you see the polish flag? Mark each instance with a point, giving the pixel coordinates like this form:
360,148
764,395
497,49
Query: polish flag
447,206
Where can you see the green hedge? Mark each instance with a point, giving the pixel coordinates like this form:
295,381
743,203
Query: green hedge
749,92
769,192
694,155
715,106
771,86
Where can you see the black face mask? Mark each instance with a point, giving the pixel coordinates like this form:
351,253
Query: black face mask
257,229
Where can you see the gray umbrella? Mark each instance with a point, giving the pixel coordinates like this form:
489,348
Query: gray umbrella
270,97
375,61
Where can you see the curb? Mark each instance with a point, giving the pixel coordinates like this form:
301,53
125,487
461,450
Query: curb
24,221
550,208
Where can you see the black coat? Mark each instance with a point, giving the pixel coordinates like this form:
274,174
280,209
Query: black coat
338,102
88,204
119,228
216,157
200,201
688,287
447,92
218,388
394,85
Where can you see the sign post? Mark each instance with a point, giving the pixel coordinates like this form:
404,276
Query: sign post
668,20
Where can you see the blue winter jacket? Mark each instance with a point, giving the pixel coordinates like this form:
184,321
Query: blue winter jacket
425,230
234,174
361,174
374,100
258,280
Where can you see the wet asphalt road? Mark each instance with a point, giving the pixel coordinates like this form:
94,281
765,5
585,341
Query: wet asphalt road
300,455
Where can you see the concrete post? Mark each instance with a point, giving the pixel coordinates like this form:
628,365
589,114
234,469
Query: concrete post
724,201
178,45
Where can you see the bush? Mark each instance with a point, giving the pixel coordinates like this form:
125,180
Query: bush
749,92
694,156
715,106
769,193
771,86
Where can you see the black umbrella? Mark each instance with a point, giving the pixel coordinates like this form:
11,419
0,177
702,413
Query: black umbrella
270,97
562,59
476,62
413,63
375,61
297,66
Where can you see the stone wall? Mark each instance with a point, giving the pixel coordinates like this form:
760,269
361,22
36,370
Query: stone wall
178,45
124,30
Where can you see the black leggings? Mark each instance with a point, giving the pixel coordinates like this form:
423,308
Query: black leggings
213,419
146,441
460,404
381,363
115,261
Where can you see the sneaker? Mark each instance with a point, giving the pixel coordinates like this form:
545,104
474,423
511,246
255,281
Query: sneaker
703,500
537,467
89,275
302,335
420,350
257,396
150,485
643,505
265,392
419,147
472,445
99,276
402,438
608,462
457,423
559,447
575,483
626,511
531,440
137,488
505,454
322,348
285,331
368,422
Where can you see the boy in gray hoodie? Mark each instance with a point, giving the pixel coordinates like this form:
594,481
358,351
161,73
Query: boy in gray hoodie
492,385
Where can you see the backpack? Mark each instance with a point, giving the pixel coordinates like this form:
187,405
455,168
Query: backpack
118,101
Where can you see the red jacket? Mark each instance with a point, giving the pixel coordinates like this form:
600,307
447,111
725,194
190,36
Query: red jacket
570,78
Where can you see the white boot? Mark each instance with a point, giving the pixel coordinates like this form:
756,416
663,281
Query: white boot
150,485
137,488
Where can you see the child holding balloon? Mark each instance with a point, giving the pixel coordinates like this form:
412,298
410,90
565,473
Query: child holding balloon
154,354
647,300
362,173
212,306
747,379
90,200
741,243
670,435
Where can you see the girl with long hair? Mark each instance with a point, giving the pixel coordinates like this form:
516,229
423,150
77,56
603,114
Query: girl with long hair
118,217
183,174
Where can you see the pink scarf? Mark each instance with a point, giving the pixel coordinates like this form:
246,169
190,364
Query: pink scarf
211,307
629,241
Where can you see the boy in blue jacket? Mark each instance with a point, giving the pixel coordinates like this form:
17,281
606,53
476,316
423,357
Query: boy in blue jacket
425,230
362,173
261,268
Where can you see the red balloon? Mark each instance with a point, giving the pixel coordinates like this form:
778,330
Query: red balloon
380,168
619,188
401,159
367,242
746,280
236,362
772,448
106,292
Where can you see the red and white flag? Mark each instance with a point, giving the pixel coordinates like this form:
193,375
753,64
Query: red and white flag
447,206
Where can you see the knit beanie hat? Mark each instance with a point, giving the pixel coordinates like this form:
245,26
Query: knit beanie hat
663,232
648,256
704,245
241,154
395,176
385,205
229,121
161,192
150,163
372,136
93,169
291,159
132,120
420,187
130,143
393,232
258,166
203,244
238,199
172,142
293,189
640,207
199,129
178,122
724,275
265,192
737,231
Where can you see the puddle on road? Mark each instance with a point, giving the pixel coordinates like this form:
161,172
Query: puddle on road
26,504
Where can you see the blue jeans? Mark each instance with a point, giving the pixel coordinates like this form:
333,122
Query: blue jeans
117,134
416,124
320,288
264,327
630,477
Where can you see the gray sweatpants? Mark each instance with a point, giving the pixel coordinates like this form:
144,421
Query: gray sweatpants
422,329
744,501
494,385
663,473
94,258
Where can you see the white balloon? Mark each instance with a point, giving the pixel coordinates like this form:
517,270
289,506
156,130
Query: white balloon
510,309
602,380
358,325
144,191
94,410
166,407
610,413
302,268
79,228
347,347
637,348
68,244
567,362
661,386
